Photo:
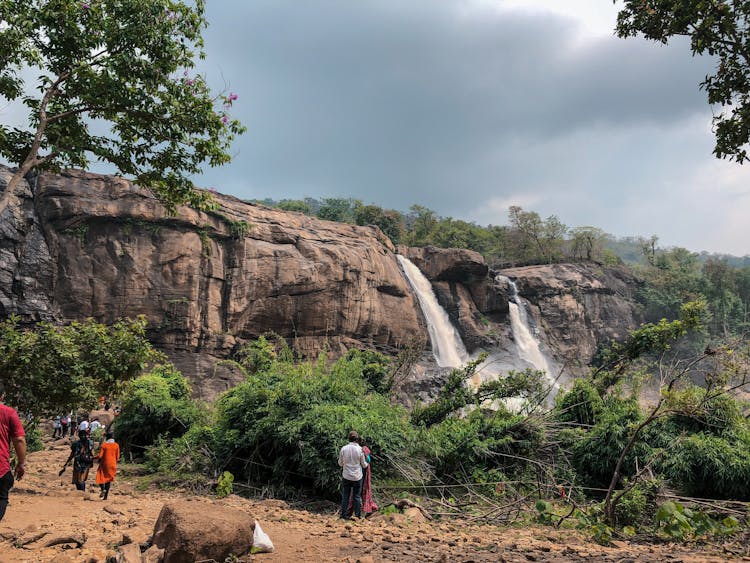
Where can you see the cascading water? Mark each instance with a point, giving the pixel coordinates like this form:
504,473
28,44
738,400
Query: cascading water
526,342
447,346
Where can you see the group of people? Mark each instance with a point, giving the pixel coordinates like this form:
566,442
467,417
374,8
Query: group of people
65,423
356,485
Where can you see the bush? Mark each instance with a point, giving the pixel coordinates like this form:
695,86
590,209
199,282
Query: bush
709,466
286,424
581,405
595,454
482,441
153,405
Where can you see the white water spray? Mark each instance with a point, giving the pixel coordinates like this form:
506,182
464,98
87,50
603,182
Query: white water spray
526,342
447,346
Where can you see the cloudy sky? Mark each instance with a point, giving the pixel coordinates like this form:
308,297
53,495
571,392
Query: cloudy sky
470,106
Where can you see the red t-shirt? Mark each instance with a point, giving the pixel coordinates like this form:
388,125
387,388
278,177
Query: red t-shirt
10,427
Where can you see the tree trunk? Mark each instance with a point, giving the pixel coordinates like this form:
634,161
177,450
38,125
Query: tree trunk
9,195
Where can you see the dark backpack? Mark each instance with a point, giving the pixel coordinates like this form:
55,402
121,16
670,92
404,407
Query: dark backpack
85,455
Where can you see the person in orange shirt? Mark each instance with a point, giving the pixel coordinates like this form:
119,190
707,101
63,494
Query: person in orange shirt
109,455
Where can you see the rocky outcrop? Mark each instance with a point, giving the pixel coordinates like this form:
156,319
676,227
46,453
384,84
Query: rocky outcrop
579,307
95,246
81,245
476,304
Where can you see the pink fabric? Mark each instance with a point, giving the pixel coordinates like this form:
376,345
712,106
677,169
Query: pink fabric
368,503
10,427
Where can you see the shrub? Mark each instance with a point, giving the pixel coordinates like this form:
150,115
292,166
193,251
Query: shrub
153,405
595,454
709,466
581,405
287,424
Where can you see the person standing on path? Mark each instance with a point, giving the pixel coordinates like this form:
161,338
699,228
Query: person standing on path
11,431
81,453
352,460
109,455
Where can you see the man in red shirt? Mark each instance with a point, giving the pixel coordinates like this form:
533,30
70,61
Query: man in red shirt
11,430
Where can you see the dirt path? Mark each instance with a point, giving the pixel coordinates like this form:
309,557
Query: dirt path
47,507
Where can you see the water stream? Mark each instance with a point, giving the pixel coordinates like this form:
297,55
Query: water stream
526,342
447,346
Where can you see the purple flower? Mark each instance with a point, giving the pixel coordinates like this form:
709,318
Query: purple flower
85,5
232,96
224,119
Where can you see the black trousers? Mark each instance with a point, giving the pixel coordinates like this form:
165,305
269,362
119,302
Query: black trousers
6,484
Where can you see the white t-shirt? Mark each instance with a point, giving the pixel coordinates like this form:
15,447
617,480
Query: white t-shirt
95,424
352,459
83,426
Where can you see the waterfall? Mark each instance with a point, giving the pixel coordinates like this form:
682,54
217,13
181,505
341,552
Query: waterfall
447,346
526,341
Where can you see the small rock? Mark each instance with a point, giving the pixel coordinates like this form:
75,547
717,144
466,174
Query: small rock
129,553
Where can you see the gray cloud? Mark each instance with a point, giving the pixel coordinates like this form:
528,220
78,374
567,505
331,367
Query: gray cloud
462,110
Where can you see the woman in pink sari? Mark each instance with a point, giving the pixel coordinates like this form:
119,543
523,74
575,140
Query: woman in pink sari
368,503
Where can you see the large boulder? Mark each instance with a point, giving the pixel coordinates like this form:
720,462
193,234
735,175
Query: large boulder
197,530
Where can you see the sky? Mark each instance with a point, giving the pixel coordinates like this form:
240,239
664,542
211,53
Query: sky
470,106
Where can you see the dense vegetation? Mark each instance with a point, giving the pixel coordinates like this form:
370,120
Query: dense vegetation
283,426
612,461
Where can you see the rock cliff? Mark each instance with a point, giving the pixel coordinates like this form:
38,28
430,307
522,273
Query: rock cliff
84,245
87,245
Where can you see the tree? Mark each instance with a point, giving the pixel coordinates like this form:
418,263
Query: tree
337,209
718,28
50,369
126,64
587,243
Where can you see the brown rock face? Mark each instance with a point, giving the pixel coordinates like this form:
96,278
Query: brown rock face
95,246
190,531
579,307
86,245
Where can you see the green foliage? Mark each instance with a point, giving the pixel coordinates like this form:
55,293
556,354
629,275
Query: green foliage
582,405
156,404
678,522
595,454
126,63
375,369
48,369
710,466
294,205
457,394
33,437
224,486
256,356
287,423
191,453
717,29
483,441
650,338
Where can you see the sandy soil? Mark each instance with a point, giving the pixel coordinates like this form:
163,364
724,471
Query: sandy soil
45,508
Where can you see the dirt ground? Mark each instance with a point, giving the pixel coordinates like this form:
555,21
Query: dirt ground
46,509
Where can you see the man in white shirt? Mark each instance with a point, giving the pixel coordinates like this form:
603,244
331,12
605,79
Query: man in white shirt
84,426
352,459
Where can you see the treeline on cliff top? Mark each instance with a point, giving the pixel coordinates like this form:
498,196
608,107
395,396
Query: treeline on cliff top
671,276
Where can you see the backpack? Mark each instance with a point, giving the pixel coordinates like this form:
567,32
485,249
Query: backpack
85,456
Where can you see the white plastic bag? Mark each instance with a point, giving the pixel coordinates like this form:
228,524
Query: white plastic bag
261,542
